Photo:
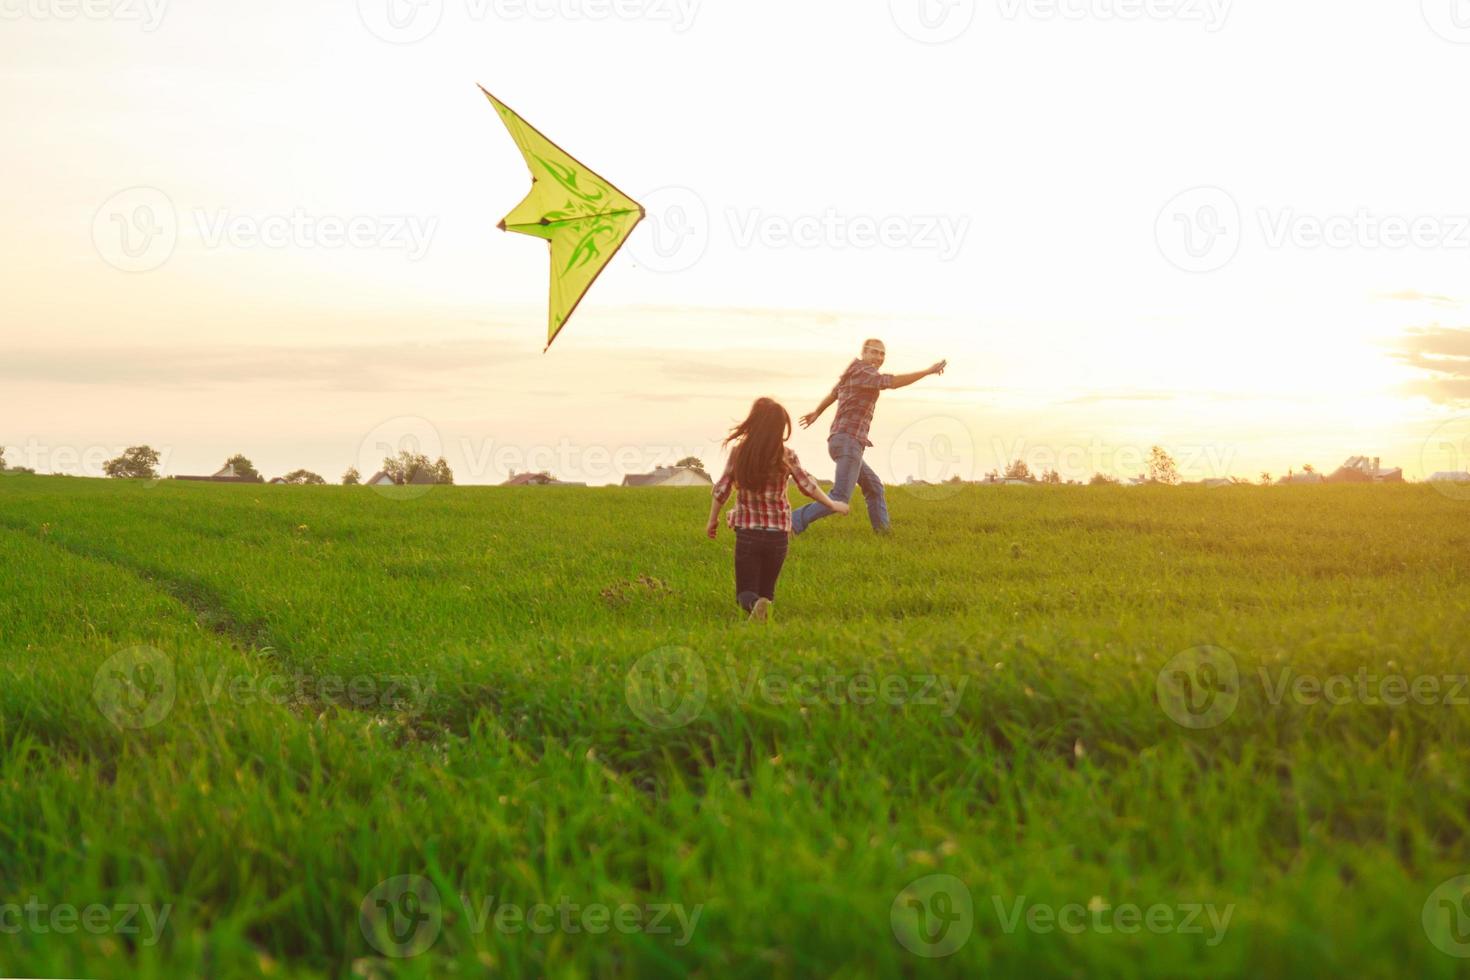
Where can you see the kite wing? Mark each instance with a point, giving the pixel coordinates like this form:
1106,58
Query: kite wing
583,218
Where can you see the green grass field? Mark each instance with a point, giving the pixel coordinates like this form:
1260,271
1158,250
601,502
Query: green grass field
250,707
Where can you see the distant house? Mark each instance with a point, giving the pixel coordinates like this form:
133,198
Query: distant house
1450,476
669,476
1361,469
279,481
226,475
537,480
379,479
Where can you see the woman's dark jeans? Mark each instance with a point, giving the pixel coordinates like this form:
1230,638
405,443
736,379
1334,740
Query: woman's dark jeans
759,556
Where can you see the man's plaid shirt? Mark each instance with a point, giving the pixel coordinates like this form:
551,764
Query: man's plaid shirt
857,395
764,508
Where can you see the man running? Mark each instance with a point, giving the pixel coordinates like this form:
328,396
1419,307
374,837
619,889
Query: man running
856,395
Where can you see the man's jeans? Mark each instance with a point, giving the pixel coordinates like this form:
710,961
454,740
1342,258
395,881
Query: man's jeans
847,453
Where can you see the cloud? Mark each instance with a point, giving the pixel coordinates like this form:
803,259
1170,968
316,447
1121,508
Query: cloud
1443,353
369,367
1414,296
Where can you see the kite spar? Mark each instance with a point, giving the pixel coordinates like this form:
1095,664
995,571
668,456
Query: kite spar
582,217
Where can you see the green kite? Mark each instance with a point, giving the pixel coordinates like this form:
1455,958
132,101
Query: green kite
581,216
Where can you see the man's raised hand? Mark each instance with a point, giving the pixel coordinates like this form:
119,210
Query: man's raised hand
938,368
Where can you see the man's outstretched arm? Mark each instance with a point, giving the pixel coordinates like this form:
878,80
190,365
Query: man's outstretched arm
808,419
904,380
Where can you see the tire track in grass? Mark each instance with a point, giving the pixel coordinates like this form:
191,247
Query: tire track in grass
210,609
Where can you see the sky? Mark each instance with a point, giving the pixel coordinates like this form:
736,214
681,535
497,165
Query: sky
1240,231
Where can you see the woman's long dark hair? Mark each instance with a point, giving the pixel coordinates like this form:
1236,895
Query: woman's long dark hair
760,444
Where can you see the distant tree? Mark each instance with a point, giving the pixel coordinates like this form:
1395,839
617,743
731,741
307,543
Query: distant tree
1265,478
693,463
302,478
351,478
1308,468
2,459
407,465
243,467
136,463
1102,480
993,476
1018,471
1051,476
1161,467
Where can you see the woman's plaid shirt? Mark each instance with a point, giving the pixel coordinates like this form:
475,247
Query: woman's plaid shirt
767,507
